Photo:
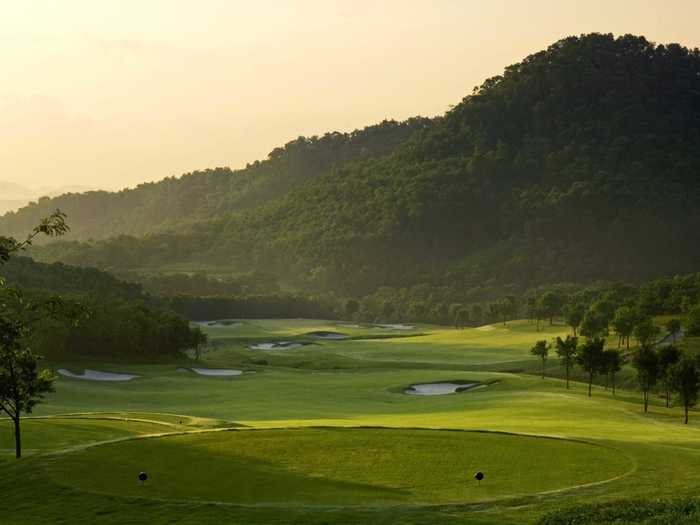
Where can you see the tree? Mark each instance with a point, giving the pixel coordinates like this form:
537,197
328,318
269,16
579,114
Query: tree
566,350
646,332
623,323
549,304
612,364
590,358
22,383
685,378
646,361
476,315
198,340
573,313
454,314
388,310
462,317
669,355
594,323
674,327
693,321
351,308
541,350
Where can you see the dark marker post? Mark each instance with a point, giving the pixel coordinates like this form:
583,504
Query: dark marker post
478,477
142,477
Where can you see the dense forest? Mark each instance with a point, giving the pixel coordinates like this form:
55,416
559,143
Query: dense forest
578,164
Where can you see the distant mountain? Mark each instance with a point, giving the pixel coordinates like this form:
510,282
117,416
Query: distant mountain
13,196
580,163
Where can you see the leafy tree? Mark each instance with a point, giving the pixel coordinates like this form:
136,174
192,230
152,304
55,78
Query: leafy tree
646,332
462,317
685,378
541,350
455,315
673,326
197,339
388,310
351,308
612,364
646,361
573,313
566,350
669,355
590,357
477,314
22,383
550,304
623,322
693,321
594,324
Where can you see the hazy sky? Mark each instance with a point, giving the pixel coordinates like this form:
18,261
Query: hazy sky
111,93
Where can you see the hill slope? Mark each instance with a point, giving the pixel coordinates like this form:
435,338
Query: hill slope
579,163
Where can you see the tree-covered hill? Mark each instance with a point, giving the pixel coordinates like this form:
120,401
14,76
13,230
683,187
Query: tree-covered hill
581,162
202,196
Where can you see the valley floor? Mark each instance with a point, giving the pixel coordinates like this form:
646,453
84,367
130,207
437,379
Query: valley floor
324,433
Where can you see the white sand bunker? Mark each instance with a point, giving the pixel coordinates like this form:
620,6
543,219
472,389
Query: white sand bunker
217,372
334,336
486,328
96,375
225,323
278,345
395,326
438,389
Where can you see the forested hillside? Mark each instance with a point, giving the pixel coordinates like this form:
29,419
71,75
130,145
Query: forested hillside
580,163
210,194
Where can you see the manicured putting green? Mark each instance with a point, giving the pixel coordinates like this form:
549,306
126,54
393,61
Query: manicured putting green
337,466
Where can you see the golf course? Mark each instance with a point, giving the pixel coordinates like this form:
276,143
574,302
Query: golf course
325,431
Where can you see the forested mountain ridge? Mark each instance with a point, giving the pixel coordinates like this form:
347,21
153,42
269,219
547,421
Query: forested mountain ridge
579,163
201,196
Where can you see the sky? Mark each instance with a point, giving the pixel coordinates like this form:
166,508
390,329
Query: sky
112,93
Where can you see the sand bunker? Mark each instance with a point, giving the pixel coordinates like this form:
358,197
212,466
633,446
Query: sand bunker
486,328
278,345
395,326
328,335
217,372
438,389
96,375
219,324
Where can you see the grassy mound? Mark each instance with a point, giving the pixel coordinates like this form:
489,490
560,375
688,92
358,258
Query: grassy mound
337,466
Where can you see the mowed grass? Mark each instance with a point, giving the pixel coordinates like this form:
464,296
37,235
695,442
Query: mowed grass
285,469
338,466
41,435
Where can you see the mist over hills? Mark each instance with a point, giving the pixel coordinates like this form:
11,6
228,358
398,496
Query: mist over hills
579,163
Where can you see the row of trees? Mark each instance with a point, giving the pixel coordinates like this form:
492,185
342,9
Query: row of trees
676,372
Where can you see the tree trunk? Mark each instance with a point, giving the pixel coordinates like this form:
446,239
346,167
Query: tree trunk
543,368
590,384
613,382
574,330
646,401
18,438
686,413
668,396
567,376
628,342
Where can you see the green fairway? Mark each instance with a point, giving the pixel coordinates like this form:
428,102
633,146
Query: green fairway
338,467
302,440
